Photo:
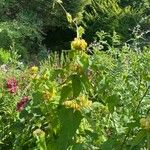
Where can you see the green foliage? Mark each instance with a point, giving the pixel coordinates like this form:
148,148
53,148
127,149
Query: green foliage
5,39
110,16
22,22
70,122
74,100
4,56
15,35
87,102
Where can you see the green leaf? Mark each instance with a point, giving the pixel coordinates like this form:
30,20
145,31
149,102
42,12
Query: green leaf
112,102
65,92
69,17
86,83
76,85
77,146
70,122
17,126
84,60
138,138
110,144
37,98
23,114
80,32
93,135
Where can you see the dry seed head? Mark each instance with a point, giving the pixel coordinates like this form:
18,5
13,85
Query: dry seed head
38,133
145,123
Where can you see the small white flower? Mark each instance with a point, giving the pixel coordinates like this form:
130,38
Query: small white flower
4,68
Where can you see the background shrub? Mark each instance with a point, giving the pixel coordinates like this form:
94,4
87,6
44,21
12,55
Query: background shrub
115,15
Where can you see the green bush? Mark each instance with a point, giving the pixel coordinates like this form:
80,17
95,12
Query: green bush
112,15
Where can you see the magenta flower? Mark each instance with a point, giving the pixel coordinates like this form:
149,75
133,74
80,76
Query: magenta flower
11,85
22,103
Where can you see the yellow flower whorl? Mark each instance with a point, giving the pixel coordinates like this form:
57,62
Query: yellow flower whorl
79,44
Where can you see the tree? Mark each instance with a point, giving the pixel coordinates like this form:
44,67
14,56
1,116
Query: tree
24,21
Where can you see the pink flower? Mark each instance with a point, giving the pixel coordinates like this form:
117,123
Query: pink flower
22,103
11,85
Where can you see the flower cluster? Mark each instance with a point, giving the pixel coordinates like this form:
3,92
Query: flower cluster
49,94
78,44
34,70
72,104
78,105
76,67
11,85
22,103
84,102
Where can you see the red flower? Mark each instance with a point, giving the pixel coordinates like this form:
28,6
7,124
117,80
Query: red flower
11,85
22,103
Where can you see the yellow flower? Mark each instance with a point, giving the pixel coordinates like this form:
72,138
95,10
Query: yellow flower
76,67
49,94
84,102
34,70
67,103
78,44
145,123
35,77
45,76
72,104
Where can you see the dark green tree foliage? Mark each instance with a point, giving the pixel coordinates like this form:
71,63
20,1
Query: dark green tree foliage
22,22
115,15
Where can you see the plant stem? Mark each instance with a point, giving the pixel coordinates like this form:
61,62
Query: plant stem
142,99
148,139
